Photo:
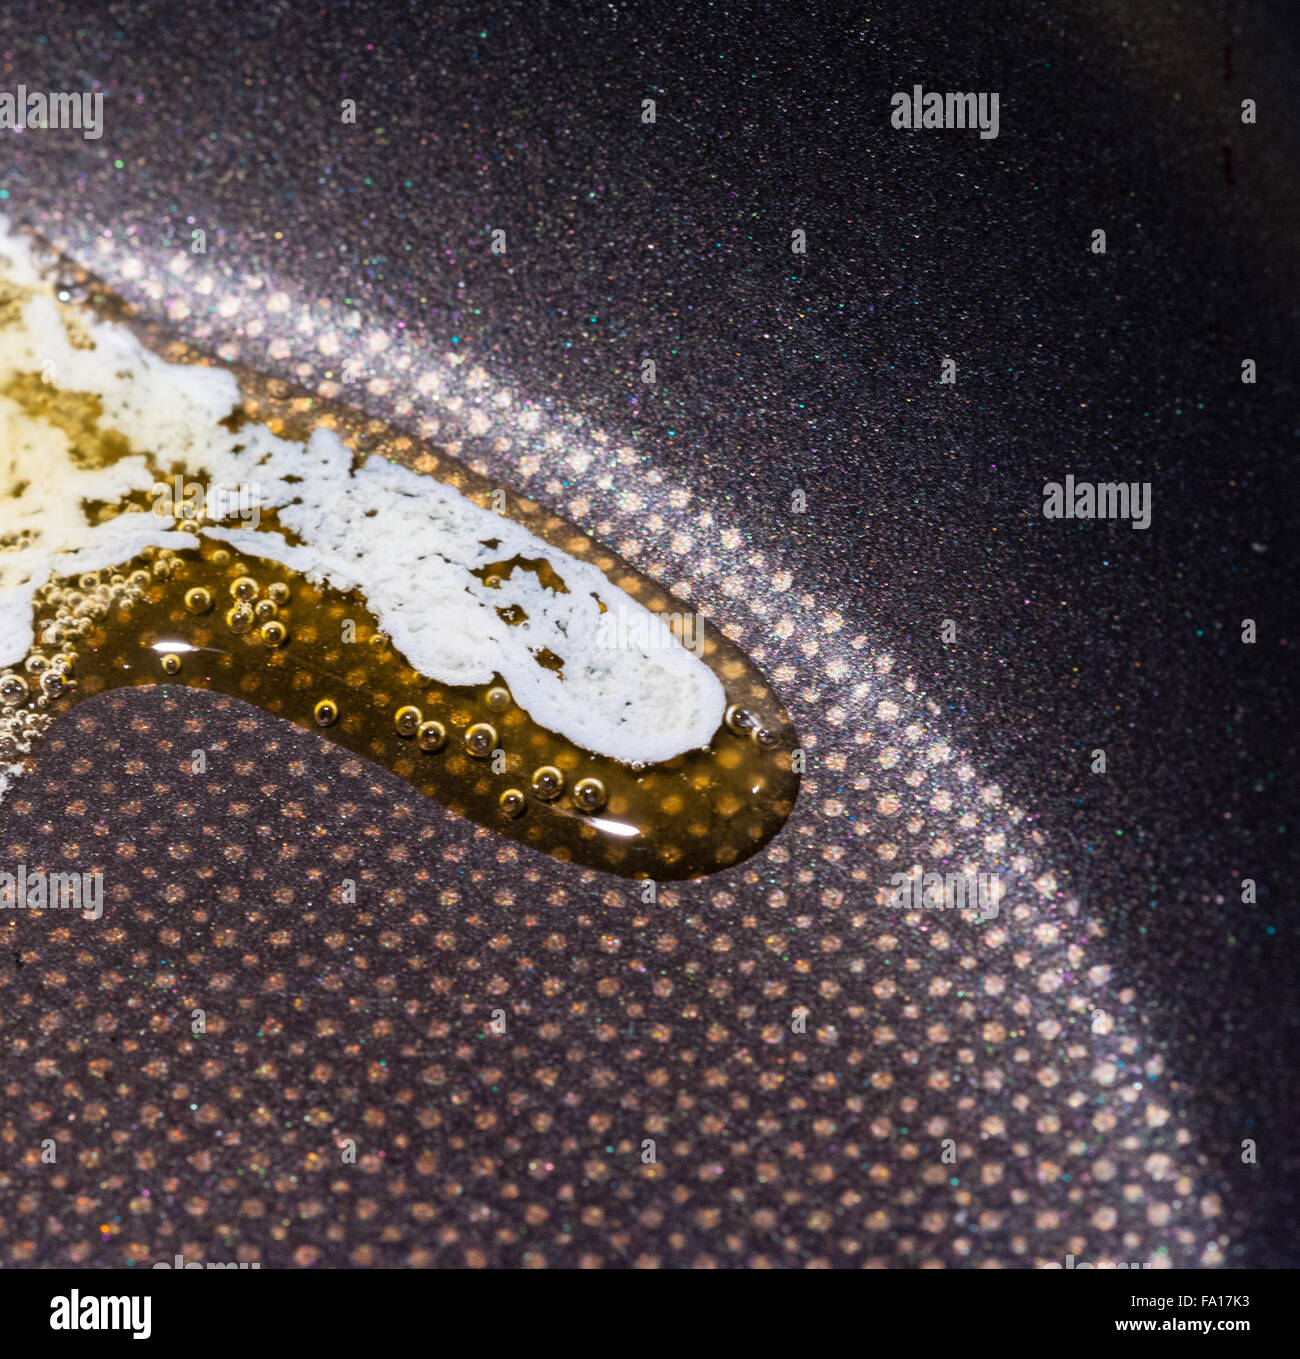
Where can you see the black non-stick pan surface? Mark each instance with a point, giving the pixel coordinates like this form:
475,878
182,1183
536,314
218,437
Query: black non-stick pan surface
1100,1055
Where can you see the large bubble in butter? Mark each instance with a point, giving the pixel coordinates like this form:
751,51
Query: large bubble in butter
489,653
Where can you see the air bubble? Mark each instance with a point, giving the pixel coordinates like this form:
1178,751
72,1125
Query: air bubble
481,740
548,782
740,720
589,795
497,699
431,736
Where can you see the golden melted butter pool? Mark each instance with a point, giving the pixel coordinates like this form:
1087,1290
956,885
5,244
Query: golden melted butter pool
218,616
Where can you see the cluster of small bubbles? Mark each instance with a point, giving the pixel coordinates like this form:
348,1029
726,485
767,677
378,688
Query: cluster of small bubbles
251,605
740,720
66,611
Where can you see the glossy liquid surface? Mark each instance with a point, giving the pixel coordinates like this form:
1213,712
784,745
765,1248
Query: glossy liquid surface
213,618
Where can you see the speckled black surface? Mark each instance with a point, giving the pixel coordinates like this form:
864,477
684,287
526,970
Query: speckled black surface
820,372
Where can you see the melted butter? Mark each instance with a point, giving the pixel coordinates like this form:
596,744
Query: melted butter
213,618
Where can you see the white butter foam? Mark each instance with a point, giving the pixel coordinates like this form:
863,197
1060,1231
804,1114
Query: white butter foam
409,544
